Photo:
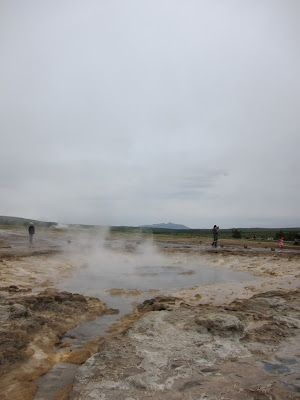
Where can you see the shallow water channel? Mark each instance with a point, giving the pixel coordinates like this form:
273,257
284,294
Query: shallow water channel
97,280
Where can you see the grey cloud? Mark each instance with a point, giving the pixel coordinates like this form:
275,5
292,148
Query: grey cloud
128,112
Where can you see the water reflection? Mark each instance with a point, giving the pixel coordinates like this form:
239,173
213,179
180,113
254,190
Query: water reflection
144,277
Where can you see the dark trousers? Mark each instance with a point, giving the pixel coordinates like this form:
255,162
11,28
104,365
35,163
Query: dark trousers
215,242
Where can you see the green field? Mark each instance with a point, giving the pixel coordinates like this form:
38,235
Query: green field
262,234
245,233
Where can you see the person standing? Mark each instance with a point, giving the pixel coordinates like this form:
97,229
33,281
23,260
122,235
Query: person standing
281,242
31,231
215,231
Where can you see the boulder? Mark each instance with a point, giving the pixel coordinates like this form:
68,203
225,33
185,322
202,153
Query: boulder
18,311
220,324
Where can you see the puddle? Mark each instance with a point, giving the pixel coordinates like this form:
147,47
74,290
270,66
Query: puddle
60,376
83,333
150,277
275,369
288,370
96,280
285,365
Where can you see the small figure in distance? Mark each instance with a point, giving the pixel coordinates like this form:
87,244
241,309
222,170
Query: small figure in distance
215,231
281,242
31,231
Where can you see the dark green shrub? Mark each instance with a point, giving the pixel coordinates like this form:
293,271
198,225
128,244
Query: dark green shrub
236,234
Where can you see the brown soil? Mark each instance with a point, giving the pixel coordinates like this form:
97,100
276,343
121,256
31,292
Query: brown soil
261,319
30,328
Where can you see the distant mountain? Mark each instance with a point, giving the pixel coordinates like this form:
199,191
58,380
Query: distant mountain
16,221
169,225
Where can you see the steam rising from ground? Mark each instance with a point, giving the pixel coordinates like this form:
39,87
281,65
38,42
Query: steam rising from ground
135,263
98,255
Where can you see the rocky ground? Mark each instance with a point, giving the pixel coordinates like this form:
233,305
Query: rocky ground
228,340
246,350
30,328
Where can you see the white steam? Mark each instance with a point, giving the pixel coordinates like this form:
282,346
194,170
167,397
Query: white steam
97,254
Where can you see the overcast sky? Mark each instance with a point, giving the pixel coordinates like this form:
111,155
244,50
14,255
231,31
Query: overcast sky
138,112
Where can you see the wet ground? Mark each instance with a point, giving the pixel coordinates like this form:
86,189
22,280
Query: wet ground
116,286
123,273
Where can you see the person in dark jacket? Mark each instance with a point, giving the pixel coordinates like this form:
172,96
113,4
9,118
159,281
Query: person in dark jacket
215,231
31,231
